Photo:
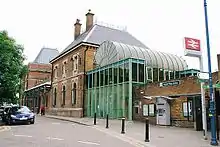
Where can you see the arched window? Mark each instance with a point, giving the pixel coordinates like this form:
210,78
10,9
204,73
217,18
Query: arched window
64,95
74,94
55,97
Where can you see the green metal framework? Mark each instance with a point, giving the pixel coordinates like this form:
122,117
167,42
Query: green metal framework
120,67
110,88
160,66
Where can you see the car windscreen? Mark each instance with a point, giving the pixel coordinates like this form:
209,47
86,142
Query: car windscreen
16,110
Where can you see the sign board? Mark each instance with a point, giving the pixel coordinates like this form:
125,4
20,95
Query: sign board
192,47
170,83
203,75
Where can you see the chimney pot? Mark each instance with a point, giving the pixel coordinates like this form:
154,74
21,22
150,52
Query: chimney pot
77,28
89,20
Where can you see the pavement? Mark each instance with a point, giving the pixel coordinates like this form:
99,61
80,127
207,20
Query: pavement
160,136
47,132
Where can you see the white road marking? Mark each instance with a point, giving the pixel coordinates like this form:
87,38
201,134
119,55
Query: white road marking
23,136
4,128
55,123
123,137
54,138
87,142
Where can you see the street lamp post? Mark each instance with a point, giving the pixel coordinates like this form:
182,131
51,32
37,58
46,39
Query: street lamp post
212,101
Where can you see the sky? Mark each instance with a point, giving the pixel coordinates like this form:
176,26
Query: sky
159,24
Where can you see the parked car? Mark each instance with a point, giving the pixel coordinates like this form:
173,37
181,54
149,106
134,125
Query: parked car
20,114
1,111
5,111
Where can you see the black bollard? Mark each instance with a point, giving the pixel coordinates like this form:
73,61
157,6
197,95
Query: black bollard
123,126
107,121
147,131
95,119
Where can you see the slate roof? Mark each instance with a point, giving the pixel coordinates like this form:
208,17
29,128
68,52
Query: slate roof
45,55
98,34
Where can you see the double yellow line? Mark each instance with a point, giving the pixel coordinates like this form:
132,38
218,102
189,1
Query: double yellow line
4,128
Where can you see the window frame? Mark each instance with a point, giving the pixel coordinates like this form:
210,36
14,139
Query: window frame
188,113
63,95
73,93
148,114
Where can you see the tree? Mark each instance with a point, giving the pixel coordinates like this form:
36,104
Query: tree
11,68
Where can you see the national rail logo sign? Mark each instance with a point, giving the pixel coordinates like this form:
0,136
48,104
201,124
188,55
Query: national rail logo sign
192,47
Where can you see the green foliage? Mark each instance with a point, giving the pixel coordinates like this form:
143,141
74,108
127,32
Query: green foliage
11,68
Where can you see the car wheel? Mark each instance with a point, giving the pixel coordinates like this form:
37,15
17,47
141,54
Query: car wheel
8,122
32,122
28,122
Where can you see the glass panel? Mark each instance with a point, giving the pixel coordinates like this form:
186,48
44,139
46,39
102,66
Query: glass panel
187,109
93,80
141,72
106,76
110,76
90,80
121,68
151,109
134,71
177,74
149,73
161,75
97,79
101,78
126,72
167,75
115,75
155,74
171,75
145,110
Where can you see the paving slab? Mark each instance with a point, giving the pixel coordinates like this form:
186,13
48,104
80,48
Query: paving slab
160,136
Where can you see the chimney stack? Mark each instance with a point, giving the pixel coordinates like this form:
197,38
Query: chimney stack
89,20
77,28
218,61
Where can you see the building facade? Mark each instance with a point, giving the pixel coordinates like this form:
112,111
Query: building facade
70,66
120,68
37,80
138,83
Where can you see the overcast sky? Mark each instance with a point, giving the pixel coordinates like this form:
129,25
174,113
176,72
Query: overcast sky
159,24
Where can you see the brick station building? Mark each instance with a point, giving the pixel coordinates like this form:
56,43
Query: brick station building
108,71
38,77
180,98
70,66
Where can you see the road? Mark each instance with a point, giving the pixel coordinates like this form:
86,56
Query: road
48,132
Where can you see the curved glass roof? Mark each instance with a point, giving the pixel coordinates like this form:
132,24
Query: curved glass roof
110,52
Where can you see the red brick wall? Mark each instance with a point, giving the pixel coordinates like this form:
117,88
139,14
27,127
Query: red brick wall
37,73
68,79
188,85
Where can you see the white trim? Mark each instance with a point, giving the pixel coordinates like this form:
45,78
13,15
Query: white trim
65,53
46,83
90,33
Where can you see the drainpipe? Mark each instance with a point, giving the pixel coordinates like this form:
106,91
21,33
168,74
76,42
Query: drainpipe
51,94
84,78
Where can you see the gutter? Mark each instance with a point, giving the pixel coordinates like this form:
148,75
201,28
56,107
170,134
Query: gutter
84,79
